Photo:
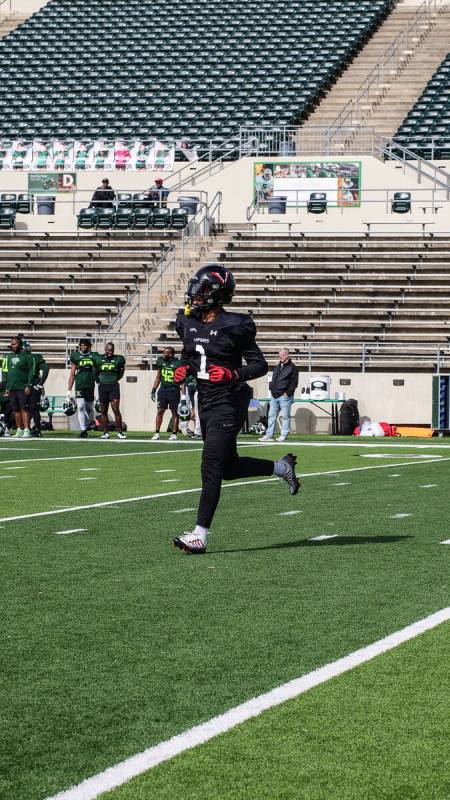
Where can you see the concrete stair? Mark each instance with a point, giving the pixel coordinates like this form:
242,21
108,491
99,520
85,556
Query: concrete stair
390,100
9,23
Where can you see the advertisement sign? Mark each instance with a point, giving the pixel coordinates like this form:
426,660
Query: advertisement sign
296,180
102,156
51,182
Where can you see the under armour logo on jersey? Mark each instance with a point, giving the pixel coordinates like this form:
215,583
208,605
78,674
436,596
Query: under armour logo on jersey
213,333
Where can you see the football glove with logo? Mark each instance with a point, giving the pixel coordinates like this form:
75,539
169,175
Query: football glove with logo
184,412
44,403
221,374
181,373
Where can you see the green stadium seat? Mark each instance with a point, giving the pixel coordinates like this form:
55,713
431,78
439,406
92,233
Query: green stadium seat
178,218
87,218
123,218
160,218
105,218
142,218
7,218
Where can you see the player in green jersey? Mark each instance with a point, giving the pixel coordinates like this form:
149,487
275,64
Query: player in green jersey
82,373
41,370
109,370
19,368
169,391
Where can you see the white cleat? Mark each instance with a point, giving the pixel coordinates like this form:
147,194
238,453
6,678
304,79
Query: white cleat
266,439
173,437
26,434
190,543
281,439
121,436
155,437
105,436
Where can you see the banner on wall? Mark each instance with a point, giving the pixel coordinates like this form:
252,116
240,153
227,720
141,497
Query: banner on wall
51,182
102,156
296,180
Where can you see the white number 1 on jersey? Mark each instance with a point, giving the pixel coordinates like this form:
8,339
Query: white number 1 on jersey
202,374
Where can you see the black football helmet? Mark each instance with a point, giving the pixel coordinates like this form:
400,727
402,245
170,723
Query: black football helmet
212,285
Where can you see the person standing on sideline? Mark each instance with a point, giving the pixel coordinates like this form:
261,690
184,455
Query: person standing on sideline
109,370
166,391
19,368
282,389
41,370
82,373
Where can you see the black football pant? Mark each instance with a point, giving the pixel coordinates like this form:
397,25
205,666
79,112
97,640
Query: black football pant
34,407
220,460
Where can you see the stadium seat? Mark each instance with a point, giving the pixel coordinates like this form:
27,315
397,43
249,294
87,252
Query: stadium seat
123,218
8,201
141,218
401,203
104,218
141,93
160,218
24,203
178,218
317,203
124,200
7,218
87,218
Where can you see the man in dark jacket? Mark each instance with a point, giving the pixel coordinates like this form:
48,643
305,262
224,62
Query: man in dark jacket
103,196
282,389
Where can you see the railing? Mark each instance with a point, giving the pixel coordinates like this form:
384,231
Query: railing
132,304
393,57
214,156
98,338
424,200
323,355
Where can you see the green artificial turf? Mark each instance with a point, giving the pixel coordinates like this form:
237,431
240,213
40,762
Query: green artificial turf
379,732
111,641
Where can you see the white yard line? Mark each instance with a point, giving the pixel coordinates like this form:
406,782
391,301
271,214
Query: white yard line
400,516
446,541
323,537
72,530
136,765
288,513
182,510
225,486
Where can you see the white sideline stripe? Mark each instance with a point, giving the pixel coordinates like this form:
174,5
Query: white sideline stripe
170,480
400,516
87,479
345,483
323,537
13,467
126,770
165,470
104,455
89,469
446,541
427,485
6,476
72,530
198,489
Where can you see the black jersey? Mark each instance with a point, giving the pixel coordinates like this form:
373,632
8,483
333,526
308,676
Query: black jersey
227,341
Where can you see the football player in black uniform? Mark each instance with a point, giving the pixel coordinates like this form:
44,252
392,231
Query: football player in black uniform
215,342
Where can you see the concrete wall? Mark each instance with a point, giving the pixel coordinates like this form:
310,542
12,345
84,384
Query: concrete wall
377,398
25,7
235,181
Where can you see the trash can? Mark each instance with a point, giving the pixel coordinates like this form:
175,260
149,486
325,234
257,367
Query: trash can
46,205
277,205
190,204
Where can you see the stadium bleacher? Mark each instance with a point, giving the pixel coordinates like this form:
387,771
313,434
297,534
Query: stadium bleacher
79,70
426,128
57,286
383,296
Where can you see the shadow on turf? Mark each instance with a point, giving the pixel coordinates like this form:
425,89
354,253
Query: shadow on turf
338,542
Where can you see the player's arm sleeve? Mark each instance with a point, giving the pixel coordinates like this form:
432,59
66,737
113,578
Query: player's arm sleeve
180,325
256,365
44,369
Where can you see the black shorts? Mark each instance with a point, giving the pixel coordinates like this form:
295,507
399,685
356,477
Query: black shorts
169,398
85,394
108,392
18,400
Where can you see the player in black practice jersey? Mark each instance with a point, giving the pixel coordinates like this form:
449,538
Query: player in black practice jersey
215,343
